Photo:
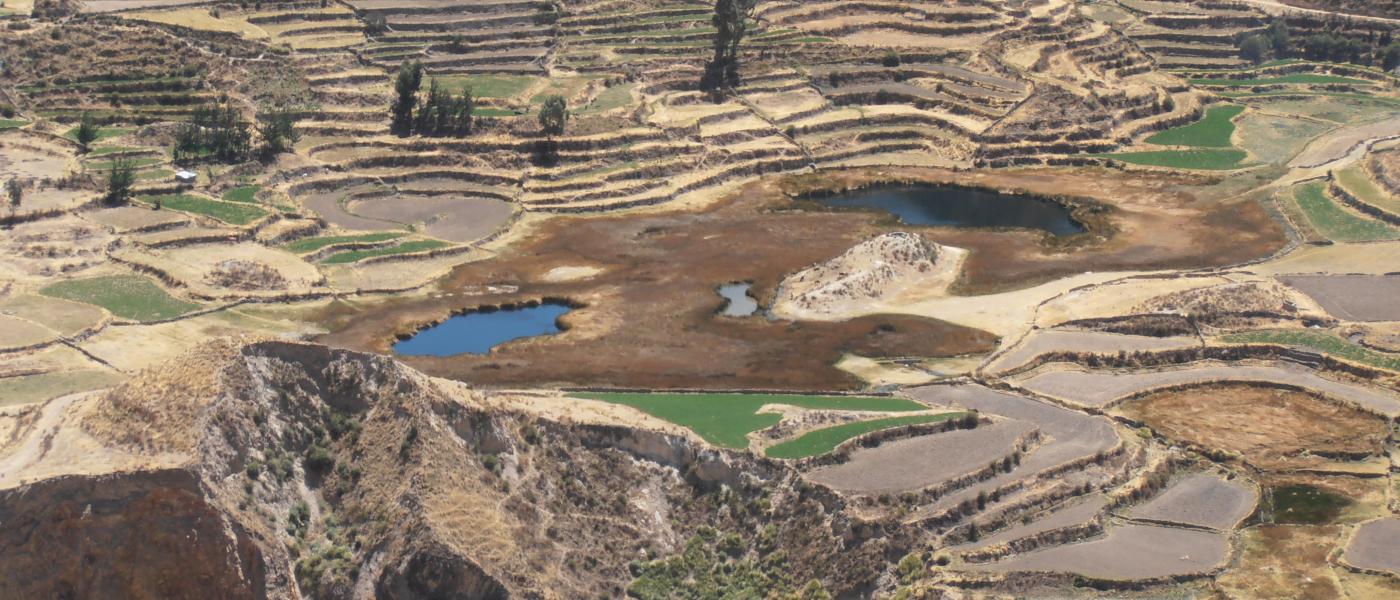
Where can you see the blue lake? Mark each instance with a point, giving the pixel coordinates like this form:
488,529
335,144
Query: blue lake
738,301
953,206
479,332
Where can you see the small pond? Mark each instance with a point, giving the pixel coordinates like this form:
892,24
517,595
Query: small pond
956,206
480,331
738,301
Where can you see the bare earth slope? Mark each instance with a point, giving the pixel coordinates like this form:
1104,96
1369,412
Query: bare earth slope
285,470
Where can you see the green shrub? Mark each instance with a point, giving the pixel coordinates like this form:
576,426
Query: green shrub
298,519
318,459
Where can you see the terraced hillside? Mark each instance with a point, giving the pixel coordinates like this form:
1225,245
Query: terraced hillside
593,299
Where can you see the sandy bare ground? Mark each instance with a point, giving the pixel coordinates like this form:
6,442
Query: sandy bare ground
25,162
1069,516
1375,259
1117,297
57,445
919,462
1340,143
1202,500
124,219
1043,341
1353,297
105,6
53,199
1102,388
1127,552
1376,545
17,333
191,264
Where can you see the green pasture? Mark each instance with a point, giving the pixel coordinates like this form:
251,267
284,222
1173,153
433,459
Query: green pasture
1336,223
229,212
350,256
102,132
133,297
825,440
1318,341
488,86
727,419
1205,160
1212,131
312,244
243,193
1291,79
1361,186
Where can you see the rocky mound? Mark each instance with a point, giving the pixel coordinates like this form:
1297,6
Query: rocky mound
287,470
245,275
877,269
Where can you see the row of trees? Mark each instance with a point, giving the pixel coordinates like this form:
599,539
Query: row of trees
440,113
731,21
1277,42
219,132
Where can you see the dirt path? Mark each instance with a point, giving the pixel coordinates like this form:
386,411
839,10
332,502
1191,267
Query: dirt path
1274,7
41,434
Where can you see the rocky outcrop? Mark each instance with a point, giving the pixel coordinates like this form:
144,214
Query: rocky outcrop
867,270
287,470
877,269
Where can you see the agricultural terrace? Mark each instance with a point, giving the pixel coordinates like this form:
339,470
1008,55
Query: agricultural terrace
728,419
1188,391
125,296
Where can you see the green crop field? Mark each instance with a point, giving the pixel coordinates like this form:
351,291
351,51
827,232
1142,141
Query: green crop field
1294,79
404,248
727,419
1206,160
1212,131
12,123
1320,342
827,439
305,245
488,86
102,132
243,193
1361,186
614,97
1334,222
131,297
228,212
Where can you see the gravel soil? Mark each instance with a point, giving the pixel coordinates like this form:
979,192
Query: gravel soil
1128,552
1201,500
1376,545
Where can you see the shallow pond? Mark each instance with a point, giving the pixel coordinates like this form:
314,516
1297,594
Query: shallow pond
479,332
738,301
954,206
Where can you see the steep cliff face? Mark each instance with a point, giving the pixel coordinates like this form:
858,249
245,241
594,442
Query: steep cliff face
143,535
297,471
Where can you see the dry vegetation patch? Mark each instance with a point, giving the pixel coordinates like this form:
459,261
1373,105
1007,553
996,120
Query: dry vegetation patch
1281,561
1269,428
